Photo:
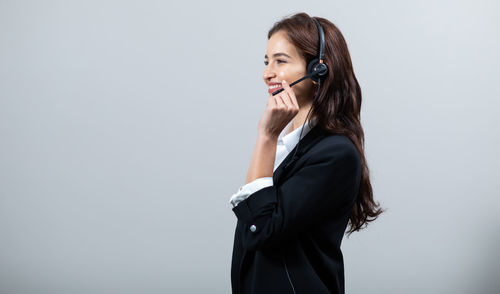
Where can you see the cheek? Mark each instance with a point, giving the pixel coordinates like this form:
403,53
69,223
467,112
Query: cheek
291,73
297,71
283,73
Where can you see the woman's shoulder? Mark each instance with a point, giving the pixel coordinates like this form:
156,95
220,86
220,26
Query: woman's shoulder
332,141
336,145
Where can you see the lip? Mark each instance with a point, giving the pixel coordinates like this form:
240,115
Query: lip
274,89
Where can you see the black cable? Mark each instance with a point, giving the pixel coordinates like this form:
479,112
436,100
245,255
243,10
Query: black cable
297,147
287,274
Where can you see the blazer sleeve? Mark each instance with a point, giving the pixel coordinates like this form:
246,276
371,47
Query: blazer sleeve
250,188
325,185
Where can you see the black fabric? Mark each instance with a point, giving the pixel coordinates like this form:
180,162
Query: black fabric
299,222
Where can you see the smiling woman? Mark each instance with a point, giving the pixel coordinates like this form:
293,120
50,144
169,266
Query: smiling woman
298,199
286,63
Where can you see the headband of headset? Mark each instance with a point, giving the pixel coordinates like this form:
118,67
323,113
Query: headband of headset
321,41
317,69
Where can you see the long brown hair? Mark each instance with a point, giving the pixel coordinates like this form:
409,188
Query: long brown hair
337,104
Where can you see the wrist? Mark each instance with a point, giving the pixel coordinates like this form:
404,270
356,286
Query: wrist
266,137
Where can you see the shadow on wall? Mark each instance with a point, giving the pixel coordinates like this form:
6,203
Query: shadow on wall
485,276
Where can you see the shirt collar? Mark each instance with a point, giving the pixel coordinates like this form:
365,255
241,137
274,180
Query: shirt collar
291,139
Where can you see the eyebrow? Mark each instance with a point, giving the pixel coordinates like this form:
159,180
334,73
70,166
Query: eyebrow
279,54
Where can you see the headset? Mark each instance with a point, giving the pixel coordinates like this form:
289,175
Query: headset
316,71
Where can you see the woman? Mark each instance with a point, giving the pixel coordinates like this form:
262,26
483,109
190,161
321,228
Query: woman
308,178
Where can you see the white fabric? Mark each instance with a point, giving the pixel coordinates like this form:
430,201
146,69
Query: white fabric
285,144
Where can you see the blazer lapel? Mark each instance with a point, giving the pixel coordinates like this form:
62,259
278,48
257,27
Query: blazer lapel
311,138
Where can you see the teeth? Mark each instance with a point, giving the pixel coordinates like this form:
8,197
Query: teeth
274,86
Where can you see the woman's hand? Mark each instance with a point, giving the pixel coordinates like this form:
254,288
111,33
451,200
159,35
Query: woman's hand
280,110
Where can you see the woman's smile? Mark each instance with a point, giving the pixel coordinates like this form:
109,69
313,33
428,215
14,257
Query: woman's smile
274,87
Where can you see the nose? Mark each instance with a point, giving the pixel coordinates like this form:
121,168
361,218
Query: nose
268,74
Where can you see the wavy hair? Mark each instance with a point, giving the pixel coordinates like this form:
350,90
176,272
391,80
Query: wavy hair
337,103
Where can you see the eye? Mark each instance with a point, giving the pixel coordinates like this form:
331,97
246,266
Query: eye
279,61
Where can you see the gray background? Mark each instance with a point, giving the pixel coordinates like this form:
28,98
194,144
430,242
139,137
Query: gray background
126,126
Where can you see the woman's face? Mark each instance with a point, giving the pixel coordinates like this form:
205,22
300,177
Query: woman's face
283,62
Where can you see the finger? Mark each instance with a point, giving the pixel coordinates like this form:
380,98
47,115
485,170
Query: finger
285,95
279,101
291,94
286,100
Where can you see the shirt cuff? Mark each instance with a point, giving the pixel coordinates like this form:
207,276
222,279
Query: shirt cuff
246,190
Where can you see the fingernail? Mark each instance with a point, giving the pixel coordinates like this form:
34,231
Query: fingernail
284,82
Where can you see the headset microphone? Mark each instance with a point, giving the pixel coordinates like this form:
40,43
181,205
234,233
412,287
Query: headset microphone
316,72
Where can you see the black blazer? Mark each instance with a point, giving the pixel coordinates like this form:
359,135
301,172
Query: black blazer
288,236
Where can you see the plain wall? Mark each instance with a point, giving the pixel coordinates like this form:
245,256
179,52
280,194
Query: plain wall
126,126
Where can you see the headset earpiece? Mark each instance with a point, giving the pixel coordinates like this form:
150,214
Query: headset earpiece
315,66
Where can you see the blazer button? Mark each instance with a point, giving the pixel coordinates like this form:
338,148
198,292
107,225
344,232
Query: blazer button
253,228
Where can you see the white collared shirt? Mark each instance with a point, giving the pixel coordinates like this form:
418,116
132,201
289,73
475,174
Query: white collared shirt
285,144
